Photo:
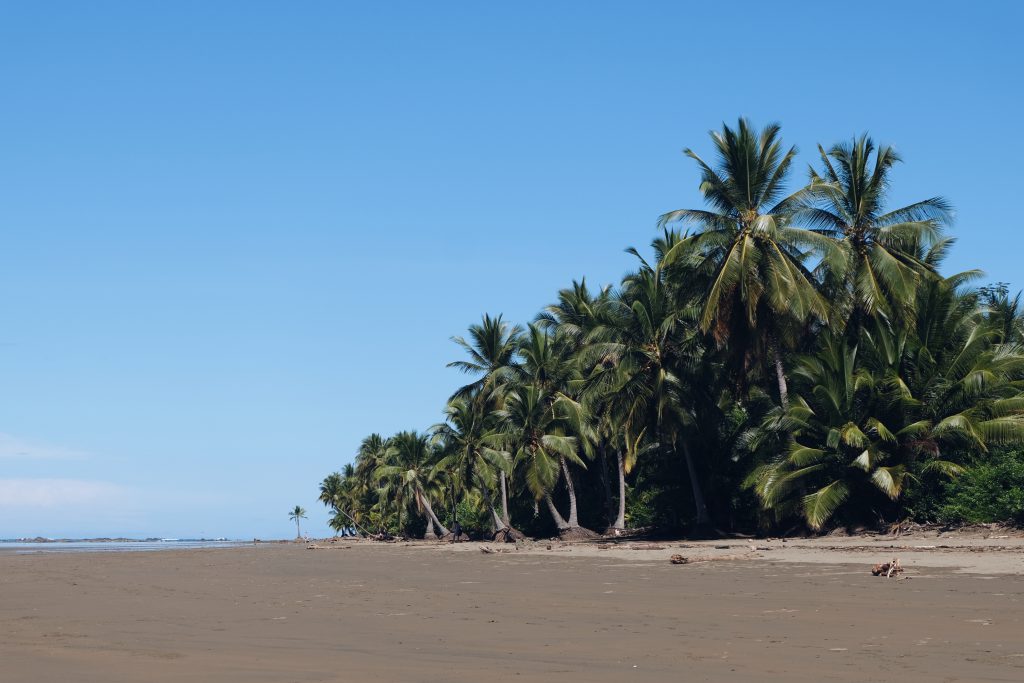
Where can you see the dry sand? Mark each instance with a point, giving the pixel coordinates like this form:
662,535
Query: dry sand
361,611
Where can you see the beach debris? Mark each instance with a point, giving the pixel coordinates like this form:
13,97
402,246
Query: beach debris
490,551
646,546
604,546
887,569
679,559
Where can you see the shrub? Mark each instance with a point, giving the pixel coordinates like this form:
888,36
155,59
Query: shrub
992,490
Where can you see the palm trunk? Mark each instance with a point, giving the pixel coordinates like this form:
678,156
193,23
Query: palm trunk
499,523
425,501
559,520
573,518
780,376
605,484
430,529
620,521
298,529
703,519
504,500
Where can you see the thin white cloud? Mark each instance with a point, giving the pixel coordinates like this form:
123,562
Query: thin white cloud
16,447
50,493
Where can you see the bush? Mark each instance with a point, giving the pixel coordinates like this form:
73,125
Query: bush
990,491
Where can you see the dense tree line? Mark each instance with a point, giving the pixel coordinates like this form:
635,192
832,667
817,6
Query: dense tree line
784,358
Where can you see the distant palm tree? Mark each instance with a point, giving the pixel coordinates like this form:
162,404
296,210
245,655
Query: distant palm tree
295,515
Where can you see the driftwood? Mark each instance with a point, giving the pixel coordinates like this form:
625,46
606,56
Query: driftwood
887,569
488,551
679,559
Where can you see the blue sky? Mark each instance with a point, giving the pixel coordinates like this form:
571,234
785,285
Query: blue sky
237,236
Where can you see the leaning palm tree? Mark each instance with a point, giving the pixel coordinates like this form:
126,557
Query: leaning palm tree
472,453
299,513
409,475
746,251
537,425
847,202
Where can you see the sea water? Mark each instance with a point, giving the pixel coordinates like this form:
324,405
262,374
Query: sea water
23,547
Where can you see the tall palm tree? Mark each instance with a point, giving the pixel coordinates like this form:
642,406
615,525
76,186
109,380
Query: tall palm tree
577,316
472,452
746,250
846,202
410,476
493,357
545,390
537,425
645,345
299,513
491,349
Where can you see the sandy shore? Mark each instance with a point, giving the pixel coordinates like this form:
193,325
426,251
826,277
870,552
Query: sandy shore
360,611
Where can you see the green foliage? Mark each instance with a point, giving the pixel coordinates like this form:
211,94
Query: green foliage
788,355
991,490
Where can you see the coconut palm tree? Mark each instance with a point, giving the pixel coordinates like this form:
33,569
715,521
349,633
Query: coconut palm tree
409,475
748,253
846,202
492,350
915,403
493,357
471,452
299,513
646,342
537,425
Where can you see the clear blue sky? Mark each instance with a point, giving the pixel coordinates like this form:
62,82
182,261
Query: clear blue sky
236,237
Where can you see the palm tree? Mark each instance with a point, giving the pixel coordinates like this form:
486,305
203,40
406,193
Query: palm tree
537,425
299,513
747,251
409,474
919,402
847,202
645,343
472,452
492,351
492,356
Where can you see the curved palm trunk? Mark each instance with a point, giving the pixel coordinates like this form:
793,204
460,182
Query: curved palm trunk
573,517
499,523
431,517
559,520
703,518
430,529
620,520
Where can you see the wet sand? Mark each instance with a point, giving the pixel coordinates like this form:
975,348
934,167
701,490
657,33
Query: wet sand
392,612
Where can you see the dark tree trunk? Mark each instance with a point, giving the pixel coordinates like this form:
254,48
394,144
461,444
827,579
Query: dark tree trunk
703,519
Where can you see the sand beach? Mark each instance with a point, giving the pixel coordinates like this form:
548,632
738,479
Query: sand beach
794,610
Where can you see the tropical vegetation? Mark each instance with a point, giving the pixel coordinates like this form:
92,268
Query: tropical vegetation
790,356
